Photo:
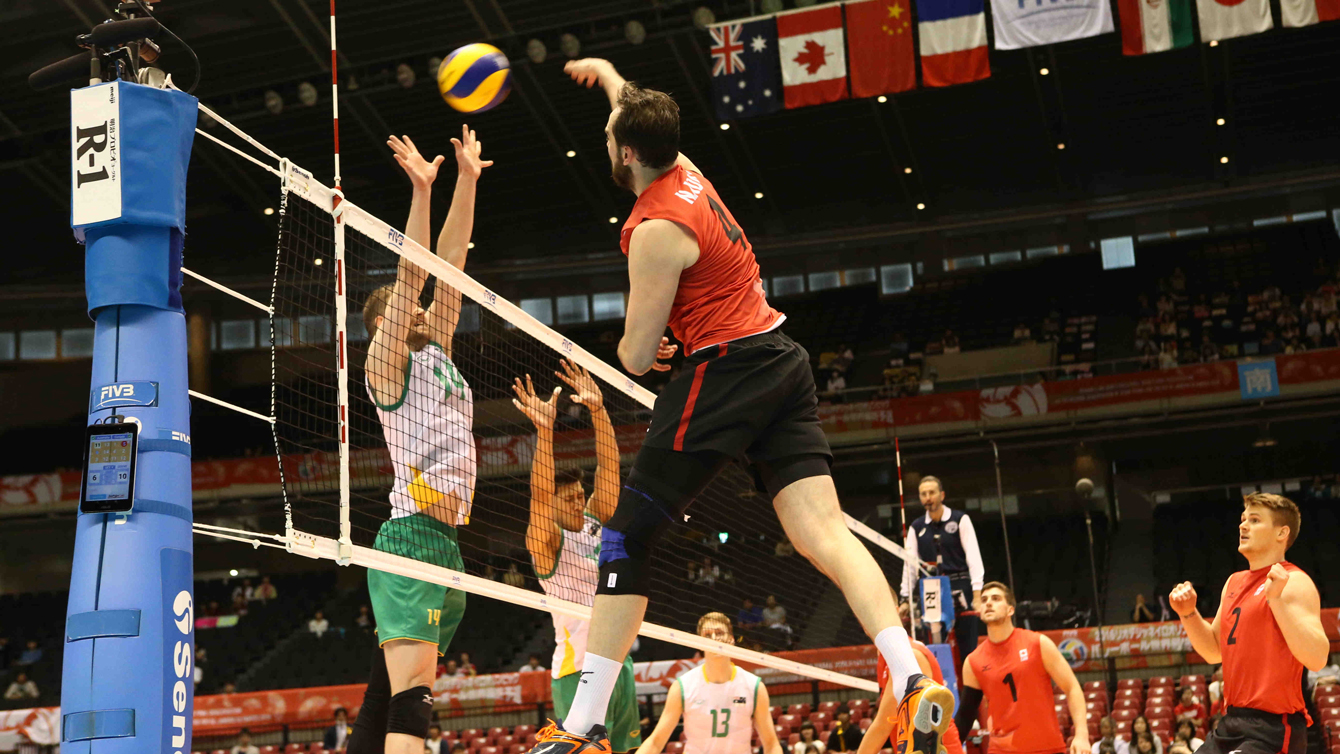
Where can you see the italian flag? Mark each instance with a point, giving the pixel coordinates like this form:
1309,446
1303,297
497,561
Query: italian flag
1308,12
1225,19
1156,25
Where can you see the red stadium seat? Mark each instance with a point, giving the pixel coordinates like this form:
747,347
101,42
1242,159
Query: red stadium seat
532,741
799,710
830,707
1124,715
1130,683
1328,700
1096,706
793,739
674,747
1330,713
789,721
1131,704
470,734
504,742
1093,717
864,705
865,724
521,731
782,731
1123,729
1095,686
820,717
488,750
269,749
317,747
293,748
1161,726
495,732
1160,680
1130,693
477,743
1191,680
776,711
517,749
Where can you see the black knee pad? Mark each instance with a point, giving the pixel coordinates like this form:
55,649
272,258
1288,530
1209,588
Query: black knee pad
369,734
627,538
411,712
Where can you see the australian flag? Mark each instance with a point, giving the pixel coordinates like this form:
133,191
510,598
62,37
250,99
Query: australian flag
746,72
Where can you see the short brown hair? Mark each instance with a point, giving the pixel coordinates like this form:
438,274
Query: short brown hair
375,306
929,478
1009,593
568,476
648,122
714,618
1283,512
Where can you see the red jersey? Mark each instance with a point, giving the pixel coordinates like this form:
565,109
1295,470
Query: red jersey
720,297
1019,689
952,743
1259,670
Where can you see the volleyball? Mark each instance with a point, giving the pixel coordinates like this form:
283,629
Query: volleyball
475,78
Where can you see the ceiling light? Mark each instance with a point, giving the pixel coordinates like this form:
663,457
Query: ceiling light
273,102
771,6
703,17
570,45
269,210
571,153
907,170
613,220
1044,71
307,93
882,99
1223,160
405,75
758,194
536,51
1219,122
318,261
1214,43
233,572
920,205
434,63
1061,145
635,32
470,245
725,126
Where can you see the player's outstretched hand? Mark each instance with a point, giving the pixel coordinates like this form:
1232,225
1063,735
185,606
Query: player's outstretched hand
664,351
468,149
540,411
1275,581
586,390
588,71
421,172
1183,599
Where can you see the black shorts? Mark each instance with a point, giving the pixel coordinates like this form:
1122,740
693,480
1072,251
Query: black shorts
1243,730
752,398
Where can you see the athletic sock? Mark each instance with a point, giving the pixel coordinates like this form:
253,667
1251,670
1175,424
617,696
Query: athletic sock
897,651
599,675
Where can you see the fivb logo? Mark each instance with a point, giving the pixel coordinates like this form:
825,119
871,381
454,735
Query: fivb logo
182,656
123,394
396,238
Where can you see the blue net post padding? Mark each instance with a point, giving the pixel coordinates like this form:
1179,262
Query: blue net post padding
127,683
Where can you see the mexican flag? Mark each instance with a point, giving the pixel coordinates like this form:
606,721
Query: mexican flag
1154,25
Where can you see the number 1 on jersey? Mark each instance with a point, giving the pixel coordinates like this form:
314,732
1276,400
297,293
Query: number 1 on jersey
1009,681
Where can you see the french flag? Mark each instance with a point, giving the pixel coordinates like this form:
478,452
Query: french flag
953,41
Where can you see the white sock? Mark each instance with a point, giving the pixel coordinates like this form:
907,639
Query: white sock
599,675
897,650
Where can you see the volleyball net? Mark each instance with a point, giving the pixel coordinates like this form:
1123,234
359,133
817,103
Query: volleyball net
429,458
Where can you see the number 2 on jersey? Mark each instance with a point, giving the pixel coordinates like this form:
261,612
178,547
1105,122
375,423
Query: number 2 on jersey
723,729
1009,681
1232,634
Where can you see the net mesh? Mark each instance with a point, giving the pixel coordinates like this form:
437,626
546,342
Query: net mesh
724,552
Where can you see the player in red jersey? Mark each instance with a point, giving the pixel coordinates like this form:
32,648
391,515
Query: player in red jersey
745,390
1266,633
1014,668
884,727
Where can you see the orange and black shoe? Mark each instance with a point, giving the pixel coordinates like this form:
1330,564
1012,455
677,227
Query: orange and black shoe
552,739
924,716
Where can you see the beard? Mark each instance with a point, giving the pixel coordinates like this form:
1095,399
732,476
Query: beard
417,340
622,175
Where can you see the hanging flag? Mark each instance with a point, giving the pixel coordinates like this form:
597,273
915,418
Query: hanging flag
1155,25
1308,12
1030,23
879,35
814,60
953,41
745,77
1225,19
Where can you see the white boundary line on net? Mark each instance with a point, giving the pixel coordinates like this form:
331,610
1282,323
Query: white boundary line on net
234,407
227,290
312,546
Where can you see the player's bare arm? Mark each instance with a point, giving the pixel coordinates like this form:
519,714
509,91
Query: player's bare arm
674,706
881,727
658,252
542,533
1296,605
1065,679
586,391
453,243
1204,635
767,732
591,72
388,353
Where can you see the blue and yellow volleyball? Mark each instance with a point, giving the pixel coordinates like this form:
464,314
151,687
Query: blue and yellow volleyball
475,78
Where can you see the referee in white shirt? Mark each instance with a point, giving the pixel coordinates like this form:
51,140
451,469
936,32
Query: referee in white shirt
945,540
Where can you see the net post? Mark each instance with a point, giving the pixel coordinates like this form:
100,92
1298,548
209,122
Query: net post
346,545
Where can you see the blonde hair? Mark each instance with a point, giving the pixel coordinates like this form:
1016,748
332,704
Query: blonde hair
1283,512
715,618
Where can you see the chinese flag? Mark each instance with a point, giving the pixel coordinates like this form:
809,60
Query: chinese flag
879,37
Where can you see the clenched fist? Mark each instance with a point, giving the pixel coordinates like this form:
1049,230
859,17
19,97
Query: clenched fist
1183,599
1275,581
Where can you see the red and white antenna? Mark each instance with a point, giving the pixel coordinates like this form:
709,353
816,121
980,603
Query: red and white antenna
335,97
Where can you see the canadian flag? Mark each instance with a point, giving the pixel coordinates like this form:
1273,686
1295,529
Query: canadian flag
814,58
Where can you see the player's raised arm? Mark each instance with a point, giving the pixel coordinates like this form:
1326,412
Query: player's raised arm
591,72
1064,678
767,732
388,353
542,535
674,706
657,253
453,243
1296,605
586,391
1204,635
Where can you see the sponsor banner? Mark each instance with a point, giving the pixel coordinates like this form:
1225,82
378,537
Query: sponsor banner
219,714
493,693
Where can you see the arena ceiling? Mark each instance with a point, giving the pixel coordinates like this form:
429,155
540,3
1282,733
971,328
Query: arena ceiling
1130,126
